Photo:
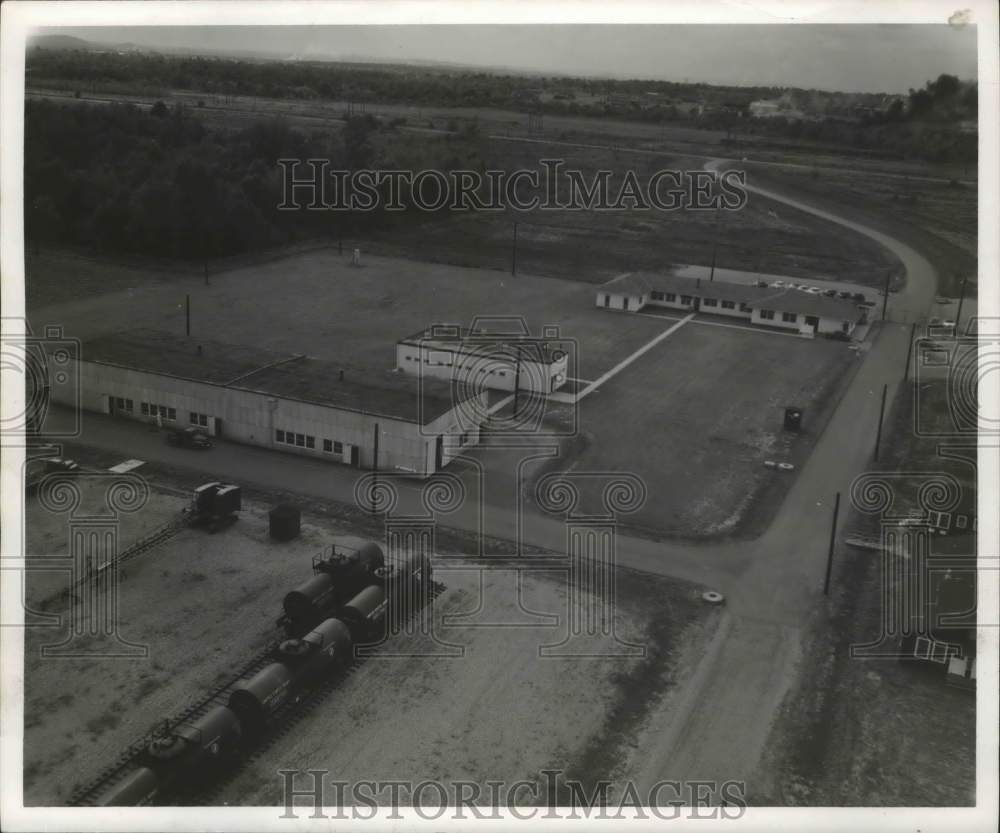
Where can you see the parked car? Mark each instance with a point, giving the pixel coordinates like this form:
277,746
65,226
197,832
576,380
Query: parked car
934,322
762,284
942,300
830,293
814,290
858,296
188,438
778,284
843,294
948,323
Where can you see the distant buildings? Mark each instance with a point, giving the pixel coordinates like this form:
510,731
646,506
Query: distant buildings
788,309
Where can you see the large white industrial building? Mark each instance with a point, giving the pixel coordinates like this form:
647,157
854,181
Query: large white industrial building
477,358
294,403
789,309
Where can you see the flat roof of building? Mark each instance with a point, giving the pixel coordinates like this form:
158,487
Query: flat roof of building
456,337
284,375
351,388
760,297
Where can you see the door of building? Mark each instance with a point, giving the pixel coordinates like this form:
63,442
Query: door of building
812,321
439,454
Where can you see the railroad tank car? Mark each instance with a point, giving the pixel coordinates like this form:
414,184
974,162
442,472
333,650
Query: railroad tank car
365,613
318,652
370,557
139,789
191,746
306,603
255,700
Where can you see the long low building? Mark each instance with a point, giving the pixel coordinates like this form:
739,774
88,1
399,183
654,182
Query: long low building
481,359
767,306
355,416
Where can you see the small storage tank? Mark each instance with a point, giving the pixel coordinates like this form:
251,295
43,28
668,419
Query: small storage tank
253,701
285,522
139,789
307,601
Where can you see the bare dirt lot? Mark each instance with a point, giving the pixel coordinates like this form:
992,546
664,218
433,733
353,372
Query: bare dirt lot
204,603
500,711
696,417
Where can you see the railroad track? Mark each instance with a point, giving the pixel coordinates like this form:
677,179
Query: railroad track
283,722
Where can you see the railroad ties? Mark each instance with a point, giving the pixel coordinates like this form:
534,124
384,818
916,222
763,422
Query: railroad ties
284,720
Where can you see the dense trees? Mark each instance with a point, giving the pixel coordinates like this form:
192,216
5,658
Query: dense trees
120,178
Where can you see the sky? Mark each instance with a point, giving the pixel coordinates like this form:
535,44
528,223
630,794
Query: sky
889,58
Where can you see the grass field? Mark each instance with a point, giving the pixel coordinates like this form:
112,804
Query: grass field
698,414
320,305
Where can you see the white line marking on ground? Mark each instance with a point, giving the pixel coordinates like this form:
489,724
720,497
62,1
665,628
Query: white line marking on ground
494,408
618,368
128,465
761,330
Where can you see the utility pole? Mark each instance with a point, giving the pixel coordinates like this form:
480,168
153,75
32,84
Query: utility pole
833,540
711,274
881,415
961,300
909,353
513,261
375,469
885,298
187,315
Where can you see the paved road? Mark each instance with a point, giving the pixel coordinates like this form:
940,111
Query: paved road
717,726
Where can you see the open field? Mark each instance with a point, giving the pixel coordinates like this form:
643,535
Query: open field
938,219
320,305
205,603
696,417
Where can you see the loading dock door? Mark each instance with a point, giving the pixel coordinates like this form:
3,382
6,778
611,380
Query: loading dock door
355,457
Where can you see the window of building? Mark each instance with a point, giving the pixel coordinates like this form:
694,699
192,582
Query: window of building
744,308
729,305
193,418
656,296
463,438
310,442
767,314
685,299
338,447
279,436
846,326
144,408
300,440
671,296
328,446
172,413
711,302
790,317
